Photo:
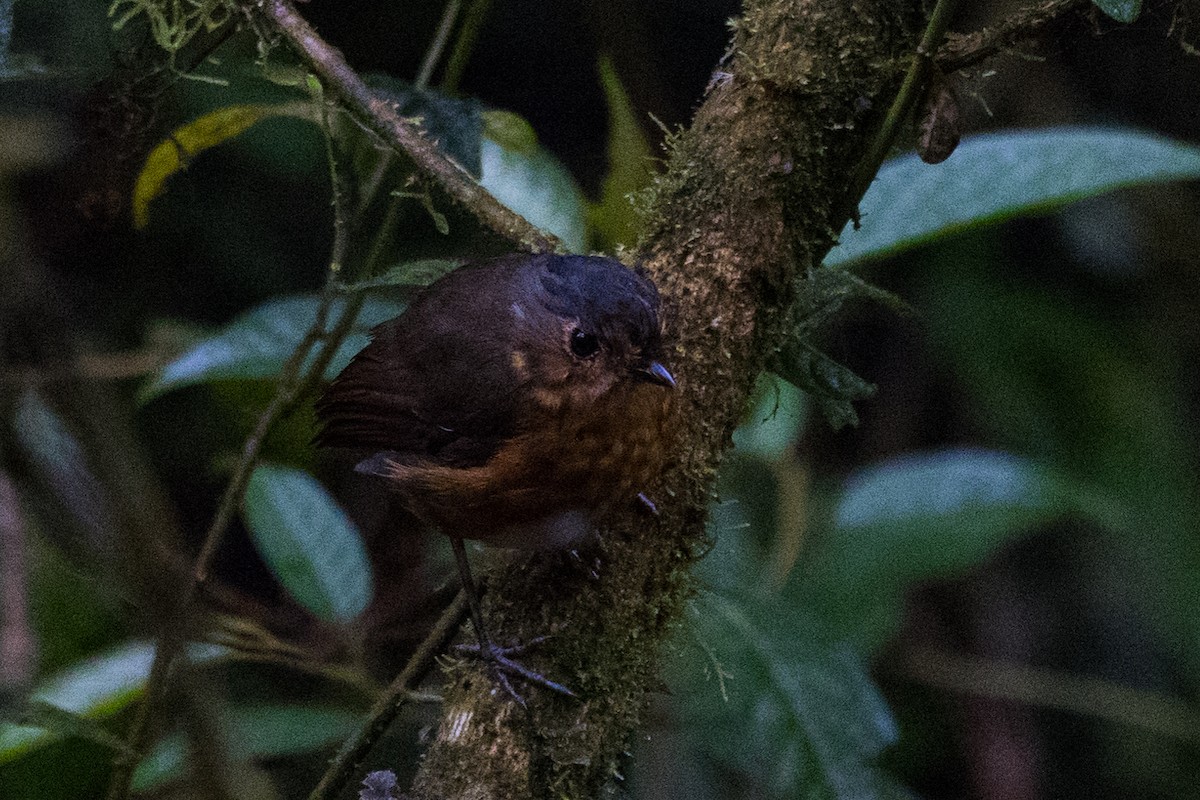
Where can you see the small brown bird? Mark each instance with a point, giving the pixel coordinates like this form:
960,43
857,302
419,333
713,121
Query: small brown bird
513,402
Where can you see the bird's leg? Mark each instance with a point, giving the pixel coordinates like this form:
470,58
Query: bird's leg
489,651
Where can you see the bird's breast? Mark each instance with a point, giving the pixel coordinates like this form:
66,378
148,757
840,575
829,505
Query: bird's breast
572,458
605,450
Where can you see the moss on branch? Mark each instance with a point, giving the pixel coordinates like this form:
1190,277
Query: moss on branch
740,216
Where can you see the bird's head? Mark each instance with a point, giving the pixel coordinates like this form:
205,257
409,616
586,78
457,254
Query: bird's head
602,328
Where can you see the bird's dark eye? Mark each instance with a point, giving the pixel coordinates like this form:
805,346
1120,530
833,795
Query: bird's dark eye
584,344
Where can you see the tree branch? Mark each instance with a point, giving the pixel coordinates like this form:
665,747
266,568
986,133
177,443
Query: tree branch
962,51
389,704
740,217
403,135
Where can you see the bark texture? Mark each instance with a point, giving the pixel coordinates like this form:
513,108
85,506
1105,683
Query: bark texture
734,227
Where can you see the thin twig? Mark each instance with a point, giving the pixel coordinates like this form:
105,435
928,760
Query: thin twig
434,53
293,385
465,43
166,651
380,116
385,235
289,387
334,338
401,692
962,51
337,188
910,92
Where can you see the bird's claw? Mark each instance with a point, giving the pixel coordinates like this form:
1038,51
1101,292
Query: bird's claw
500,661
496,651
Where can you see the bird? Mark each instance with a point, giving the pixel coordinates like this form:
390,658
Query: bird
515,401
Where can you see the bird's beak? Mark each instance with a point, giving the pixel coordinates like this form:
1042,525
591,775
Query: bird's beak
656,373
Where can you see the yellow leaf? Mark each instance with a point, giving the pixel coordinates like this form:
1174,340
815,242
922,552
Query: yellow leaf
186,142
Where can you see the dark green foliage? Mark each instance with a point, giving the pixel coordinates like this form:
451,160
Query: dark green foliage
308,542
256,344
1024,172
455,123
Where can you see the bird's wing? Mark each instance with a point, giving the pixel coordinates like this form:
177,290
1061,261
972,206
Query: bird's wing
436,384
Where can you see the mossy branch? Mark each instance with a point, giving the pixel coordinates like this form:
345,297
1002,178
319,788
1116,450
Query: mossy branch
964,51
739,219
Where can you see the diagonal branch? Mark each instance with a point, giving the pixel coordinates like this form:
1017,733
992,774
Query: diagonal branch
391,702
399,133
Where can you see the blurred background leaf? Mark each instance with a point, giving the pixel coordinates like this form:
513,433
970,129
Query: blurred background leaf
257,731
256,345
613,218
535,184
1025,172
919,517
310,544
95,688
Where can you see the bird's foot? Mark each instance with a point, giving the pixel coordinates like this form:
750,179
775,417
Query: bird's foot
502,665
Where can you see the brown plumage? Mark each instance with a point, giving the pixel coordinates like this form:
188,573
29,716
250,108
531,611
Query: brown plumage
513,400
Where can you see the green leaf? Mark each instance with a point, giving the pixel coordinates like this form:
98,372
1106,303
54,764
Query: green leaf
309,543
537,186
924,516
95,688
914,494
510,130
1075,391
256,344
44,436
775,421
14,65
1090,397
614,218
62,723
776,700
792,713
59,456
256,731
410,274
996,176
1121,10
